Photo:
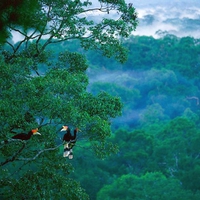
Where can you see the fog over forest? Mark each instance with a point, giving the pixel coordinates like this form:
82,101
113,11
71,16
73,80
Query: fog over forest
157,19
139,120
159,88
181,18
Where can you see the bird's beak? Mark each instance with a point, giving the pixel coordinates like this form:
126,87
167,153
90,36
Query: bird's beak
36,133
64,128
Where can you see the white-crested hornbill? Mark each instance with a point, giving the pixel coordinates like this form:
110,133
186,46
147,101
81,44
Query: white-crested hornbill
24,136
69,141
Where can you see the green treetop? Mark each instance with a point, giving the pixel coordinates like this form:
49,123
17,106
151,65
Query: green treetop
42,89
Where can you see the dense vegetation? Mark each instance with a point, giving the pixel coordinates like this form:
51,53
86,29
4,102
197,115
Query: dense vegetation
45,90
51,82
158,134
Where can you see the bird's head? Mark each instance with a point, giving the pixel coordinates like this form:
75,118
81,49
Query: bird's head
35,132
64,128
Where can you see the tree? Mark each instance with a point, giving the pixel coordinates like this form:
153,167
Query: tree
149,186
153,114
14,13
176,152
41,89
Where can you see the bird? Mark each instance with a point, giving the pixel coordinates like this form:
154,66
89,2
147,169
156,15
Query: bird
67,135
24,136
69,141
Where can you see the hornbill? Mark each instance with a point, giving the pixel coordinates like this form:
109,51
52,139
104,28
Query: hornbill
24,136
69,141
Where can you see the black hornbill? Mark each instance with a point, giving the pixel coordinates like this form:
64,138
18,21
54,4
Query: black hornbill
24,136
69,140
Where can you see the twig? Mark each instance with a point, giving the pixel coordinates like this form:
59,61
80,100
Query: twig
41,151
13,48
10,140
196,98
14,156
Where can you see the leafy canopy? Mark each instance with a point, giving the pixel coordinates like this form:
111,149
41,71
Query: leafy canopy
42,89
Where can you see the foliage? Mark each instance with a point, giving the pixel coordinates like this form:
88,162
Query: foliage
59,74
13,13
151,185
159,128
40,88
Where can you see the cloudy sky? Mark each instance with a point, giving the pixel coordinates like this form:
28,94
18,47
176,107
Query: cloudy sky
178,17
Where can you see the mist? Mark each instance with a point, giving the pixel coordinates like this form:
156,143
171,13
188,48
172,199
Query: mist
181,18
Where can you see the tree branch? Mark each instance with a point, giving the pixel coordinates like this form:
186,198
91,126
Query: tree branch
14,155
17,30
20,43
13,48
196,98
30,37
11,140
91,9
42,32
40,152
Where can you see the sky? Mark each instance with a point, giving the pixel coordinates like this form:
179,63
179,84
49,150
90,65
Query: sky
178,17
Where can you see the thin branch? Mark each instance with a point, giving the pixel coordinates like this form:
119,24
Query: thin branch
30,37
51,37
40,152
69,38
38,35
10,140
10,45
42,32
91,9
20,43
14,155
196,98
62,40
47,42
102,9
17,30
37,72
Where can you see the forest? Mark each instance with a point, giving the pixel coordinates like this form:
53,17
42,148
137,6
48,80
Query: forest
135,100
158,133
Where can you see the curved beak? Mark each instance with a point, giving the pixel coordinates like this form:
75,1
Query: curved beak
64,128
36,133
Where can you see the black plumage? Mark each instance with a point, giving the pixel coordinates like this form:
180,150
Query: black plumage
24,136
69,140
68,137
